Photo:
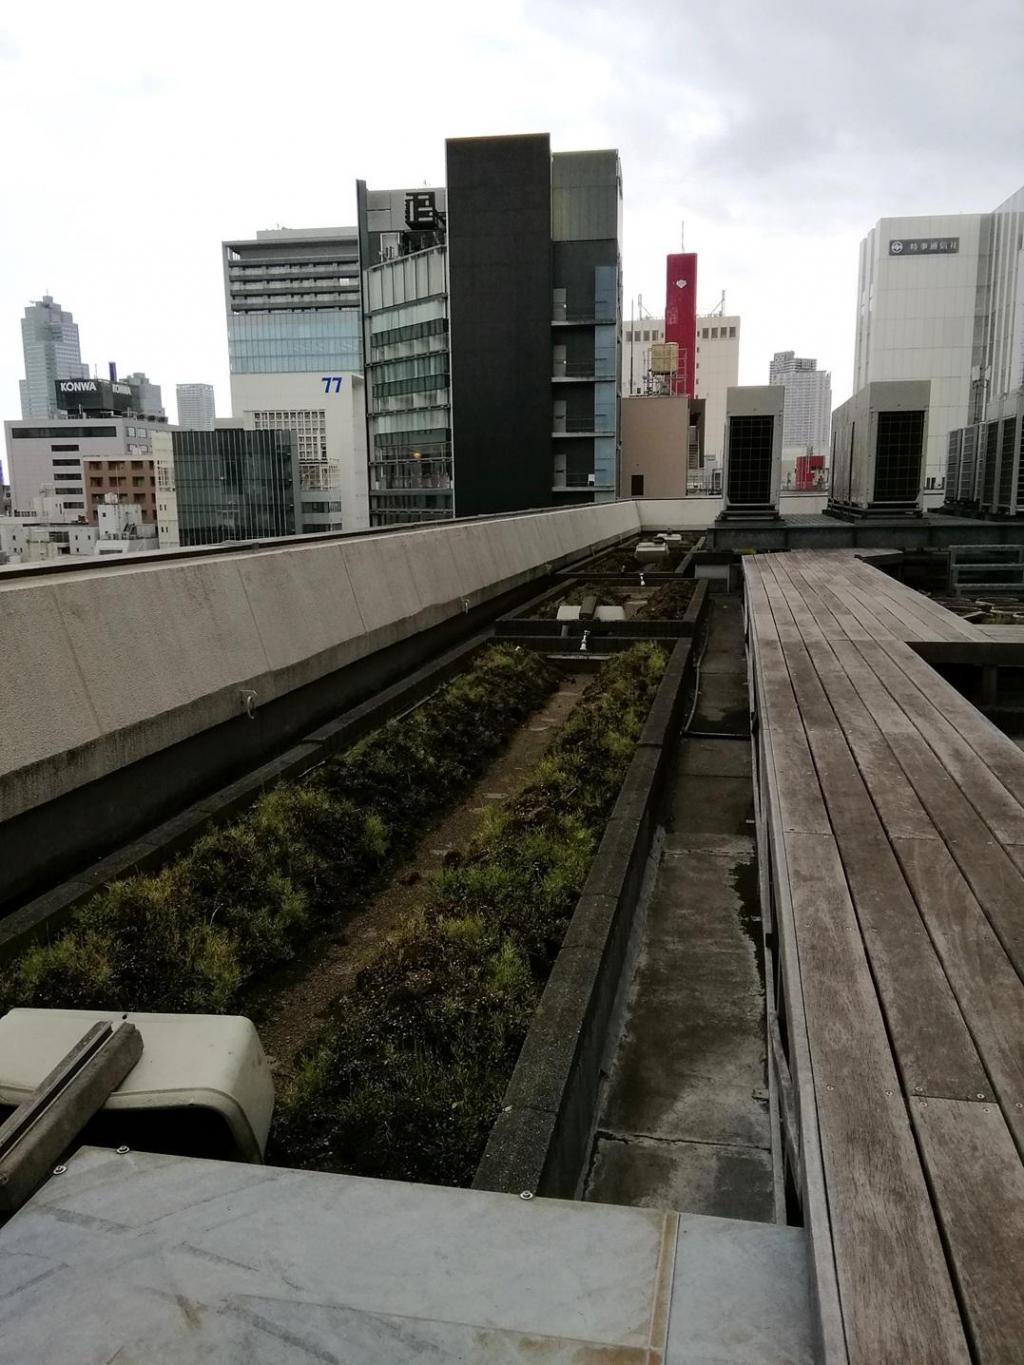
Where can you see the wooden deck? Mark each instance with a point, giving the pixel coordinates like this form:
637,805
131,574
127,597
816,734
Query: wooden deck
891,828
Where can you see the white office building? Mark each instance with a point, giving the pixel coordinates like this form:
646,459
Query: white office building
295,348
49,338
46,457
197,410
942,298
718,371
808,410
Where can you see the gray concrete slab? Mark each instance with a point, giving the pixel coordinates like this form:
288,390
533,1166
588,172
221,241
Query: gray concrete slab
153,1258
733,1182
723,1261
685,1121
713,805
709,758
691,1062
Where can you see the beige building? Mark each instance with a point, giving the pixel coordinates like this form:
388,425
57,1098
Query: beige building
134,482
662,445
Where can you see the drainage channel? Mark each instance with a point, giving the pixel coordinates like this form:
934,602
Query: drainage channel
684,1122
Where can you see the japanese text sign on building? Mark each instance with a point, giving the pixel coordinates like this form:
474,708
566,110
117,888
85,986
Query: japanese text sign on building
924,246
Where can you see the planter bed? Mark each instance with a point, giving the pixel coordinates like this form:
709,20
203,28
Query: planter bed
541,630
621,562
194,935
406,1078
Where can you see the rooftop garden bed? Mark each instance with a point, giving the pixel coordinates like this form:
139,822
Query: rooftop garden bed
408,1073
199,932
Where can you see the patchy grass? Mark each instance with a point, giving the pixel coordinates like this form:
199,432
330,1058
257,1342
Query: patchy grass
192,936
407,1075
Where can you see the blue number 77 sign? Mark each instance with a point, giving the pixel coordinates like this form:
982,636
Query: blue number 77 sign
328,379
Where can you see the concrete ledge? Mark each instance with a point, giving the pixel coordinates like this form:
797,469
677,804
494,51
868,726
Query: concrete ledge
510,628
540,1140
104,669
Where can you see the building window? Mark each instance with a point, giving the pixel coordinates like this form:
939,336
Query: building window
704,333
62,447
732,331
636,485
75,464
714,333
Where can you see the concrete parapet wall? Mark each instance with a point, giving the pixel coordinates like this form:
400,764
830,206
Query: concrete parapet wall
101,669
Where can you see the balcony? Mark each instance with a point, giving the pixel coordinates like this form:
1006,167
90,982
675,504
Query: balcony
599,316
582,426
584,372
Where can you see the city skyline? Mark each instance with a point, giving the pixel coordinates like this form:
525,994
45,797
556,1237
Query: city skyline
777,179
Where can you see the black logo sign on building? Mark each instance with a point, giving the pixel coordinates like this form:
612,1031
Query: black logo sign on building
421,209
924,246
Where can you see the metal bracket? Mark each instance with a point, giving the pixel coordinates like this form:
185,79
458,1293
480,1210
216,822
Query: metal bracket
43,1127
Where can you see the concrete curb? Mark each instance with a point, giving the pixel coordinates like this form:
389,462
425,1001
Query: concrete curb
540,1139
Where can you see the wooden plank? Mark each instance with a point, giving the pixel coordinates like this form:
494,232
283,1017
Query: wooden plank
999,809
996,749
933,1048
982,1219
898,806
910,605
896,1295
814,1197
988,989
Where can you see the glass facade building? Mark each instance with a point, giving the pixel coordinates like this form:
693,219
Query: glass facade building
293,302
295,346
281,342
49,338
231,484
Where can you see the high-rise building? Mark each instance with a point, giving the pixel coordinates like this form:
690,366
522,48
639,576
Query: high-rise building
808,401
942,298
492,312
294,343
227,484
49,337
146,396
717,371
403,248
197,410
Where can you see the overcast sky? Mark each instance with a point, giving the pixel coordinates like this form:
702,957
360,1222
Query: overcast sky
133,142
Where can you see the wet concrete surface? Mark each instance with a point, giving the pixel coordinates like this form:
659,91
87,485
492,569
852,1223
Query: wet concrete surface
685,1120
